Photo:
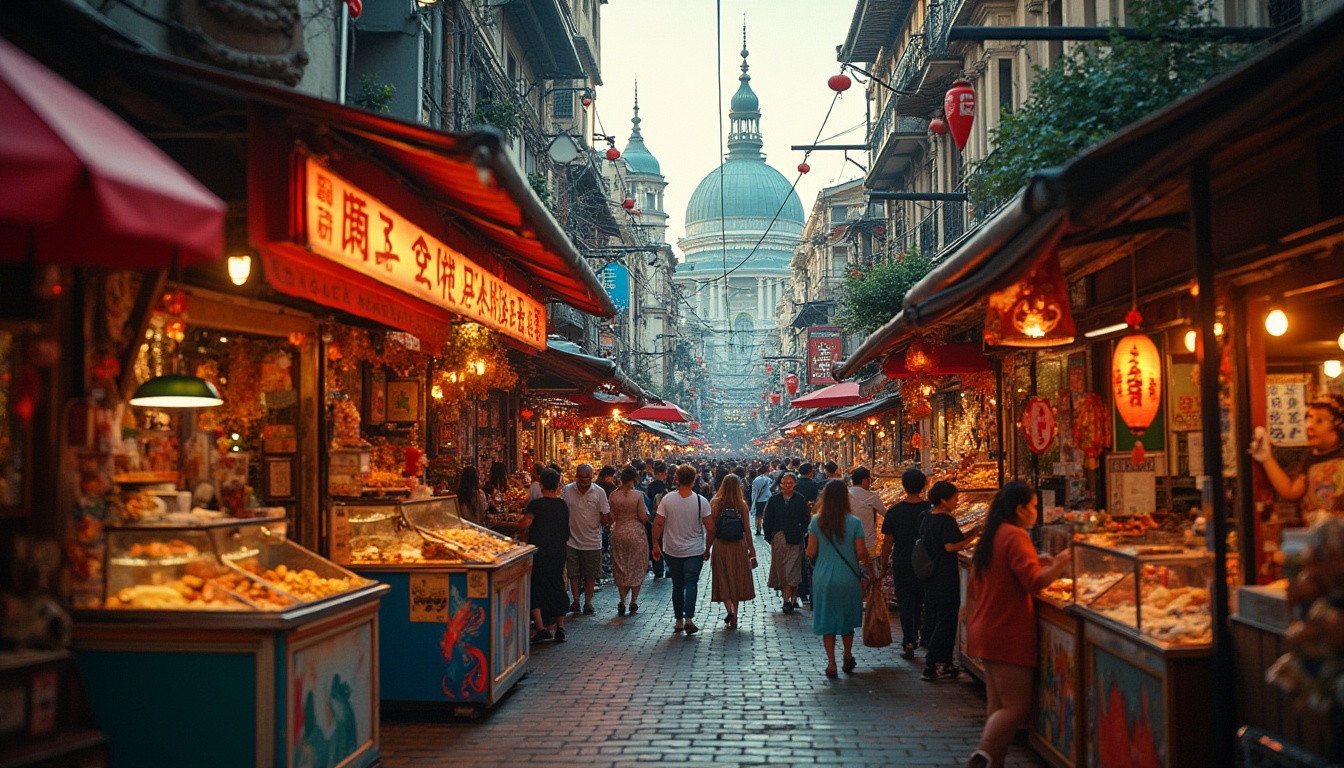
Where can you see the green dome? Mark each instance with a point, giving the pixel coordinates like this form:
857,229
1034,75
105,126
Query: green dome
639,158
753,190
745,99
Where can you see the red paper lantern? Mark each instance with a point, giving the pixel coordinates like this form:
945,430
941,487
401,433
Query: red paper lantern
613,153
1033,312
804,167
628,204
1136,381
959,105
695,425
587,101
763,397
527,414
175,303
753,412
791,383
356,8
839,83
938,125
774,398
920,356
769,368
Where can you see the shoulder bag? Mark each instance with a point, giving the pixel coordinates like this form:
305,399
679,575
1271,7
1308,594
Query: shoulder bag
923,563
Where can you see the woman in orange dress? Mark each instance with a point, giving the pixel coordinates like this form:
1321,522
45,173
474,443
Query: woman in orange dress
1005,572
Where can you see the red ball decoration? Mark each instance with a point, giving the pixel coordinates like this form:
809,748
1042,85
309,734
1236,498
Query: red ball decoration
613,153
628,204
769,368
804,167
695,425
587,101
839,83
791,383
959,106
938,125
356,7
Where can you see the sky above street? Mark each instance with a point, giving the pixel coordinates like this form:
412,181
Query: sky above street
671,47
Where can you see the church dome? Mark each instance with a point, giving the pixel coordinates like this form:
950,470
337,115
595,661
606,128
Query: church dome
751,189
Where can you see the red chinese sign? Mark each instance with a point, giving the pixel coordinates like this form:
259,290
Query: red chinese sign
348,226
824,347
1038,424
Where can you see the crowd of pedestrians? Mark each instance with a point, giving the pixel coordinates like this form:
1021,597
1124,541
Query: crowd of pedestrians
826,544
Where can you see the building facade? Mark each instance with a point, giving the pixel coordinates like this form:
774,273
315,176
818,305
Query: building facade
742,225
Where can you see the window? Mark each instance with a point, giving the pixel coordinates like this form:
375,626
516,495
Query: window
839,213
562,105
650,201
1005,85
1056,20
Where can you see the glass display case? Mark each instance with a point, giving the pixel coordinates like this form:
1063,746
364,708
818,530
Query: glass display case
1159,591
232,565
418,531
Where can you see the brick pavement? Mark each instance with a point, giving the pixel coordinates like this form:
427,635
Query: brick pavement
626,691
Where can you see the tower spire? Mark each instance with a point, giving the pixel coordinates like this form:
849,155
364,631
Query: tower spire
744,135
635,121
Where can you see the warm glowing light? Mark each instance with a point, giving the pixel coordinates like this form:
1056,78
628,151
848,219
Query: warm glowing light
615,413
478,367
240,268
1276,322
1333,368
1190,338
1341,340
436,392
452,377
883,433
1218,329
926,390
872,421
1136,373
811,429
587,431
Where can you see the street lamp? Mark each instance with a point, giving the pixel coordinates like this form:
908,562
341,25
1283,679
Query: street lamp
563,149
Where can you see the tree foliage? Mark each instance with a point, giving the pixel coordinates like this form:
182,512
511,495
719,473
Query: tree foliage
872,298
1099,89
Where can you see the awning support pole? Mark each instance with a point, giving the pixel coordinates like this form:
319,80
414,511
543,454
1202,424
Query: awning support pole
1214,493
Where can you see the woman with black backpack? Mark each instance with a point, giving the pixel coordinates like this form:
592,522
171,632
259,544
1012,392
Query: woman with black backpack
732,554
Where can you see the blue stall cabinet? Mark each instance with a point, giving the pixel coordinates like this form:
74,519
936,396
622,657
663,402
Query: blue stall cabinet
207,652
455,621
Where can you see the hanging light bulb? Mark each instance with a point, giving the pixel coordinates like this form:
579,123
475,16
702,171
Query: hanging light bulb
1190,338
1333,368
1276,322
240,268
436,392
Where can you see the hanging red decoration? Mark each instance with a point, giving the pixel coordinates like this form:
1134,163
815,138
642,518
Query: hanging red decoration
527,414
613,153
753,412
27,395
769,368
763,397
791,383
959,106
1136,380
1034,312
1091,426
298,338
839,83
938,126
175,303
106,367
628,204
50,283
356,8
774,398
804,167
920,356
694,425
587,101
1038,424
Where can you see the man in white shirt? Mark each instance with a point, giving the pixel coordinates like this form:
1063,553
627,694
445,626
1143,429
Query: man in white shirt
534,490
583,555
760,494
865,505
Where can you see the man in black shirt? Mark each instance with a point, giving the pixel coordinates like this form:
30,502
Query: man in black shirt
808,487
900,531
652,495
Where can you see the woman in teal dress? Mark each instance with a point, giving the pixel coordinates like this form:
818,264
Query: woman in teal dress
835,541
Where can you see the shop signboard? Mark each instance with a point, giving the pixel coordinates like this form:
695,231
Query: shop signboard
615,278
348,226
1133,489
1286,414
824,348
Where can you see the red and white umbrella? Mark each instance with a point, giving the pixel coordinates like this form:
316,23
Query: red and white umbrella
660,412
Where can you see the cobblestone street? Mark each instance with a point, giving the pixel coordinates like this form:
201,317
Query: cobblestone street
625,690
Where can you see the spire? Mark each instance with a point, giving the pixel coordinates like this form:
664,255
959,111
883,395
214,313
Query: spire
744,135
636,154
635,121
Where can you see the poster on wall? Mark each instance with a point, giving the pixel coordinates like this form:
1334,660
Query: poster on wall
1127,728
825,346
1057,690
1286,409
1132,489
332,696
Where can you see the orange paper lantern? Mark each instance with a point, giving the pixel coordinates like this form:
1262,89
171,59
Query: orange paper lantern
1033,312
920,356
1136,381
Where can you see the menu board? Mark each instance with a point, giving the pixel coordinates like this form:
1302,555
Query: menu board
1286,409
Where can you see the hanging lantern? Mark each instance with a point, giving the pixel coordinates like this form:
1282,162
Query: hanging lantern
791,383
694,425
297,338
628,204
769,368
920,356
753,413
804,167
839,83
1136,380
356,8
938,126
774,398
959,106
763,397
587,101
527,414
613,153
1034,312
175,303
1091,427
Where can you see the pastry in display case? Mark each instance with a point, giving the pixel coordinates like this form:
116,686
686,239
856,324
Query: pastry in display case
1160,594
418,531
229,566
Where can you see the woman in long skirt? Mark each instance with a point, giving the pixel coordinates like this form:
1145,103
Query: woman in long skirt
629,544
731,561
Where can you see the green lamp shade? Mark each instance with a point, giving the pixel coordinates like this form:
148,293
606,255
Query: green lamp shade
177,391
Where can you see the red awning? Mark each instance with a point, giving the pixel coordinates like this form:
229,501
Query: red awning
952,358
80,186
661,412
467,180
836,395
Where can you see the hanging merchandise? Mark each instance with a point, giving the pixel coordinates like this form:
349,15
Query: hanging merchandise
959,104
1091,427
1038,425
1033,312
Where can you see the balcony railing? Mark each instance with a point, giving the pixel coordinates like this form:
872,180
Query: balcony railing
937,228
890,123
930,42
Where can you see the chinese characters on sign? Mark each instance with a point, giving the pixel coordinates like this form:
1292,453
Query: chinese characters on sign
823,352
346,225
1038,424
1286,414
